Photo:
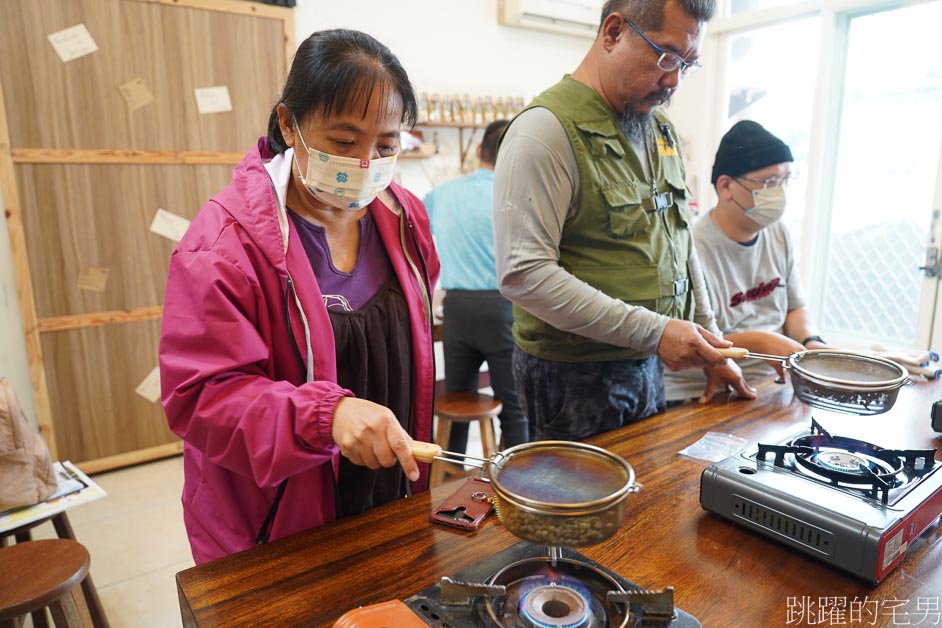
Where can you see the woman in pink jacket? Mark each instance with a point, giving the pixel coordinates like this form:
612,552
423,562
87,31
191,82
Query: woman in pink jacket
296,350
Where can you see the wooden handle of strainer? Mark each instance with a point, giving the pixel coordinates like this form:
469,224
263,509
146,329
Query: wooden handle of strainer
736,353
425,452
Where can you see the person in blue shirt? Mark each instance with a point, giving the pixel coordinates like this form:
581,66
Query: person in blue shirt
477,319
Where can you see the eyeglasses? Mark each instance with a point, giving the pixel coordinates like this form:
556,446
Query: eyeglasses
668,61
772,182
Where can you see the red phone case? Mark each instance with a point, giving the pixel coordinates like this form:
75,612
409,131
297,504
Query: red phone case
467,507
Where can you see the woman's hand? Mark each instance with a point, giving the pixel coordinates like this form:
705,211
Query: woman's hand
369,435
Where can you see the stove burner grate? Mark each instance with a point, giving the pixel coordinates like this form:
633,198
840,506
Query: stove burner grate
850,463
570,594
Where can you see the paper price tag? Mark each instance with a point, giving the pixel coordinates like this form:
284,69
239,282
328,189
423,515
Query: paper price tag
213,99
136,94
72,43
169,225
93,278
150,388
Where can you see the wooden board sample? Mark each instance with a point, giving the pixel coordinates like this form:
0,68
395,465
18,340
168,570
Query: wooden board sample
95,137
174,50
89,215
93,374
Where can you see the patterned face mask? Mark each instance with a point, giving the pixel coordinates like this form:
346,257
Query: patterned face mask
345,182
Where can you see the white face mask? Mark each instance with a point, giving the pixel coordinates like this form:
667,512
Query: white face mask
344,182
768,205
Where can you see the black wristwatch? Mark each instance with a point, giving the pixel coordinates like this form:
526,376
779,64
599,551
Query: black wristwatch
810,338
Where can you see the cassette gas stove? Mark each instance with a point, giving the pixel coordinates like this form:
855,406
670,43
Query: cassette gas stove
529,585
848,502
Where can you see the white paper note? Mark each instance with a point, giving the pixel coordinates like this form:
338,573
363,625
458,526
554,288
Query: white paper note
93,278
213,99
136,94
150,388
73,42
169,225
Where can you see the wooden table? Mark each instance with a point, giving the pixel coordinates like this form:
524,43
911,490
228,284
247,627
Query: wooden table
723,574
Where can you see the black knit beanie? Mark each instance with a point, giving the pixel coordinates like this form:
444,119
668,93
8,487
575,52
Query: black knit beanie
747,147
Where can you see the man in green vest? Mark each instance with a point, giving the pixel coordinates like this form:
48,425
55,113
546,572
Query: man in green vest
592,237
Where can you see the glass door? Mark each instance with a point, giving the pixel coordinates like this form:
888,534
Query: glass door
874,224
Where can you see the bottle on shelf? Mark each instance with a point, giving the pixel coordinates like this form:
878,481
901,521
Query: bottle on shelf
467,110
422,114
500,109
434,109
479,110
488,110
446,108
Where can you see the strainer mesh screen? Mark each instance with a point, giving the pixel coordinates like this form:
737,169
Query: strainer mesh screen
857,368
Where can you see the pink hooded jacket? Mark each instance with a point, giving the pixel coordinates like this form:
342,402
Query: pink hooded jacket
247,358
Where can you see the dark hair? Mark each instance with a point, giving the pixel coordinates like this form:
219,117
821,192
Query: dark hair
489,143
649,14
334,69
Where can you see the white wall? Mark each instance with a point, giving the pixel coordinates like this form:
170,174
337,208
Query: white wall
457,46
451,47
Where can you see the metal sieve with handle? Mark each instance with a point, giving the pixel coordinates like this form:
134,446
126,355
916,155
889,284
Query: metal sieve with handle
552,492
838,380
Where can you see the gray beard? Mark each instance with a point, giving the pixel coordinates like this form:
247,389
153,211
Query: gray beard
633,126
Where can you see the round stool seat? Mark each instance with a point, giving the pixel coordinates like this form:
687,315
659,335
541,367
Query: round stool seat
37,573
466,406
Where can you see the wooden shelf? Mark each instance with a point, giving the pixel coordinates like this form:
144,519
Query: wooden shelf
453,125
463,146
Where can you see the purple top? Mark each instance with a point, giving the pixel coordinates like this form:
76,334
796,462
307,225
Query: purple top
346,291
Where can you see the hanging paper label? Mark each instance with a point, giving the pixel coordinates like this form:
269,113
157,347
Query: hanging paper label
212,99
73,42
93,278
169,225
150,388
136,94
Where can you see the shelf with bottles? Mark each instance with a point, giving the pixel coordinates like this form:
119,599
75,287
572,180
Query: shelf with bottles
465,113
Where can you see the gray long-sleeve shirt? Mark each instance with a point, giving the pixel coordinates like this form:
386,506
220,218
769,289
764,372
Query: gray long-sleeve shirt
536,189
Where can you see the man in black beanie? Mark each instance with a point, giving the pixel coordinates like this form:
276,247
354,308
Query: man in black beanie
748,259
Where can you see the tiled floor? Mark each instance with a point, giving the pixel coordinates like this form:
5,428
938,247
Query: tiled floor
137,542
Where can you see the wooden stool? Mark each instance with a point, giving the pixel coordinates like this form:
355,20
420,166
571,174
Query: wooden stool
464,407
63,527
37,574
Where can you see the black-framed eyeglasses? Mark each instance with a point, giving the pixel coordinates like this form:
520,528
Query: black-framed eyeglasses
668,61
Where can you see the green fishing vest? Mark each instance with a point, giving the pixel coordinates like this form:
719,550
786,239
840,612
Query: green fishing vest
628,239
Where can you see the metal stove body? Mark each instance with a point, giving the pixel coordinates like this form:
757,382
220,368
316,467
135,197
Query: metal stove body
847,502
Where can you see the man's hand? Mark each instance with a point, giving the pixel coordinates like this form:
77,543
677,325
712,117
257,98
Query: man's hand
769,343
369,435
687,345
724,378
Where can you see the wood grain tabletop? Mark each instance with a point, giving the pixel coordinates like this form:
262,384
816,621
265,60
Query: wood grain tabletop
723,574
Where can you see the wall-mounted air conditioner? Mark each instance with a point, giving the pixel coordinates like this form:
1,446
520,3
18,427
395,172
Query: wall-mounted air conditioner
570,17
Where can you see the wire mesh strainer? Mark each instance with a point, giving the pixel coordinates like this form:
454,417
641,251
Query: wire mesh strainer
841,381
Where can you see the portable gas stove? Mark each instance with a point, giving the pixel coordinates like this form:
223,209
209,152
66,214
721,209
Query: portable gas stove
848,502
524,586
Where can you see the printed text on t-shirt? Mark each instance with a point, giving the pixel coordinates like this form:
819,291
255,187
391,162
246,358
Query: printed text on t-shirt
752,294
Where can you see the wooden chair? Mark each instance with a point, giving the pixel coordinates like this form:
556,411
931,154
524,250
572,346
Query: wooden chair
64,530
464,407
40,574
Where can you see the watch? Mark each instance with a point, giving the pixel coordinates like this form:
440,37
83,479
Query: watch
810,338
